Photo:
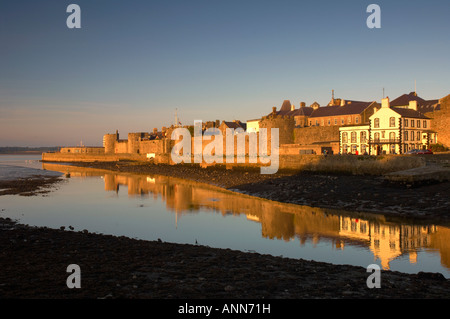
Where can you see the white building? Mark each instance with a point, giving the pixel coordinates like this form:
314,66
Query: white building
391,130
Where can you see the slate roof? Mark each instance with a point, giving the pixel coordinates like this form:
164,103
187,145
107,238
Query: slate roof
429,106
354,107
406,98
423,106
286,110
409,113
236,125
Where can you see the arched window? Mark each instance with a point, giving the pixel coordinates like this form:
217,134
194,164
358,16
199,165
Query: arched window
344,137
363,137
353,137
392,122
376,123
377,136
392,137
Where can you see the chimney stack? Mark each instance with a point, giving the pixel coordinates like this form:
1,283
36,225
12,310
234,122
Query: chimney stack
385,102
413,105
292,107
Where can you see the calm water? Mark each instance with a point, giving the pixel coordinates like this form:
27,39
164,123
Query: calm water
175,210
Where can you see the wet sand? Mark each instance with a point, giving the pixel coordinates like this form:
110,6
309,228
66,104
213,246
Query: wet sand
34,260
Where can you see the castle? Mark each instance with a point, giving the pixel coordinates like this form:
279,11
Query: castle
341,127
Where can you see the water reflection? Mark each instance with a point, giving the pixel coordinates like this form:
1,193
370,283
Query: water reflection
387,240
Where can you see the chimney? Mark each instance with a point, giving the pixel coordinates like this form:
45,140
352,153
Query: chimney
385,102
302,104
274,109
292,107
413,105
342,102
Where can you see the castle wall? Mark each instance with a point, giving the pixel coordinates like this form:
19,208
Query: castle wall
315,134
440,121
83,150
151,146
285,125
121,147
109,141
134,140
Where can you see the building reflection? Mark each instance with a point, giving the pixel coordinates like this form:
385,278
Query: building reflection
386,240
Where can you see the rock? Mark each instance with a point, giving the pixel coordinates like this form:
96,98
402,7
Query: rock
430,275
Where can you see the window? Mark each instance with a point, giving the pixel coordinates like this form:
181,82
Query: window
329,121
310,123
362,228
345,149
412,123
406,122
392,151
383,134
392,122
392,136
342,121
363,137
424,124
353,137
418,136
418,123
376,123
357,120
377,136
344,137
349,120
317,122
412,135
335,121
406,135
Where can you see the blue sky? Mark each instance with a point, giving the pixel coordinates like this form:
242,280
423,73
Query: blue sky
133,63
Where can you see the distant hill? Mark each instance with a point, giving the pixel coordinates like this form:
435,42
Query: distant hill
27,150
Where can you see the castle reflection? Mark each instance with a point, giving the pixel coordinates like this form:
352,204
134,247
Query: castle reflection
387,240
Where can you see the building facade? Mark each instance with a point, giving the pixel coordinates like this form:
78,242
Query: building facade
391,130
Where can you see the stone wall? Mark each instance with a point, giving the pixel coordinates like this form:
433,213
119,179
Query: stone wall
68,157
83,150
441,121
285,125
315,134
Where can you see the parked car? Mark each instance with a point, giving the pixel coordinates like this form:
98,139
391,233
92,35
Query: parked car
425,152
419,152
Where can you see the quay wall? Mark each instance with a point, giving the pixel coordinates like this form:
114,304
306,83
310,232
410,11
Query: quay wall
345,164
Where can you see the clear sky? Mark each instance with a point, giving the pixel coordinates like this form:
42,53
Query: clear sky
133,63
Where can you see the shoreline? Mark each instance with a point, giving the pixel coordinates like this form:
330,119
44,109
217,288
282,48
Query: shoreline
34,262
34,259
